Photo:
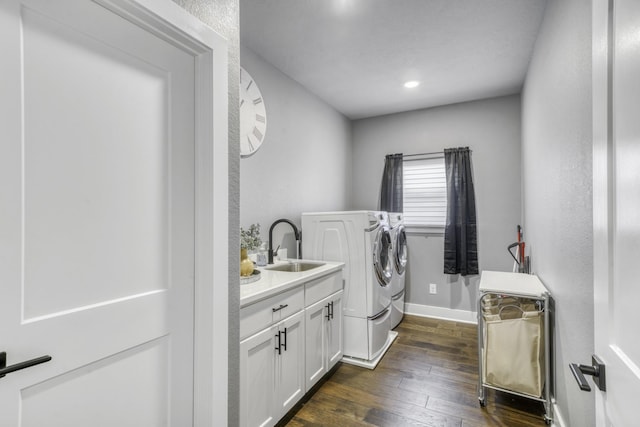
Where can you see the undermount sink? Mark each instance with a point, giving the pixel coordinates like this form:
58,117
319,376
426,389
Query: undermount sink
295,266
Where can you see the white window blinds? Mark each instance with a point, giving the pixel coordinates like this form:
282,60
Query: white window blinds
425,192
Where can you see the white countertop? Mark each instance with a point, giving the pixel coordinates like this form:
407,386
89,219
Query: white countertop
274,282
511,283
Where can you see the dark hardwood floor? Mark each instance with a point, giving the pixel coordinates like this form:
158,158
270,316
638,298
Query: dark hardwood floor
427,378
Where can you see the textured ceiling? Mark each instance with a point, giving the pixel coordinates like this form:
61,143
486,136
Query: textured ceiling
356,54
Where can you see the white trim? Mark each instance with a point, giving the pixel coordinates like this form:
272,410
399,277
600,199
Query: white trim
211,297
212,266
212,224
558,421
463,316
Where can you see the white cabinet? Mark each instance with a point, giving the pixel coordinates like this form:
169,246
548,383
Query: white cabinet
289,366
271,360
256,317
323,323
334,330
257,379
288,342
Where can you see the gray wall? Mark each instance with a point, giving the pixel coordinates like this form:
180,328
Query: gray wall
491,128
304,166
223,17
304,162
557,183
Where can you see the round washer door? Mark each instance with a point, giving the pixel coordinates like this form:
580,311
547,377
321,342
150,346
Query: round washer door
382,256
400,250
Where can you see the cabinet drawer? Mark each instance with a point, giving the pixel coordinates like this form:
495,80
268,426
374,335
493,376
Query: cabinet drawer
320,288
264,313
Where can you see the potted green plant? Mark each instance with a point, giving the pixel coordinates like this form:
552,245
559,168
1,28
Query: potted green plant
250,239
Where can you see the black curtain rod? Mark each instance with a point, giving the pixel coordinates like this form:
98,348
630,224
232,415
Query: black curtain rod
423,154
428,154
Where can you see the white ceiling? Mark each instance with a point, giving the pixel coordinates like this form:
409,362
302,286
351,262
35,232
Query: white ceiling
356,54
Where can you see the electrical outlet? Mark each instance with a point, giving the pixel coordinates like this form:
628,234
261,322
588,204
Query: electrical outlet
433,288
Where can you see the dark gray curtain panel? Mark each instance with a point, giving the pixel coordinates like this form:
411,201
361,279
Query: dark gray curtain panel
460,233
391,188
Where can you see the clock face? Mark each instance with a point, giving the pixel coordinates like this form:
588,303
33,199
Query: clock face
253,115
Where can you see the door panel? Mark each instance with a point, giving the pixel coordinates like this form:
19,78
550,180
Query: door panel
140,375
626,180
97,161
616,99
88,128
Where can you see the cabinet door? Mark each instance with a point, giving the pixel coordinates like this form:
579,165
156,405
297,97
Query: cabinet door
257,382
315,318
290,377
334,331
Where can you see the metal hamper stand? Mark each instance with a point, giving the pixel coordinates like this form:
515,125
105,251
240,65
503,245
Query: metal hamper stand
502,286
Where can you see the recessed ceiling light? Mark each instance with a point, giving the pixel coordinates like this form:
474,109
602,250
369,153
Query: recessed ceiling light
411,84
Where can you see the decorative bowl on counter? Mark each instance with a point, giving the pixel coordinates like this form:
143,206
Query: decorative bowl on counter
253,277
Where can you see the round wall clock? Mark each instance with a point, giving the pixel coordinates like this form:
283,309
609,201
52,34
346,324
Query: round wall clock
253,115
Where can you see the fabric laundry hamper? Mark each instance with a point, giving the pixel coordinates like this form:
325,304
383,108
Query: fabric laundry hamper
514,348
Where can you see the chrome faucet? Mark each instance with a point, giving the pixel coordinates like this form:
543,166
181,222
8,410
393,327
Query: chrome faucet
295,232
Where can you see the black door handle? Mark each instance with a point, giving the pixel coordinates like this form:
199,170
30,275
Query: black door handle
596,370
280,308
576,370
4,369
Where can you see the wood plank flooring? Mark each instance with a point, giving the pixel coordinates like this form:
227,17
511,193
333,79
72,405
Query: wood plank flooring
427,378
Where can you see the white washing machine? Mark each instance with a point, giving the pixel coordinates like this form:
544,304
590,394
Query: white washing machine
399,257
362,241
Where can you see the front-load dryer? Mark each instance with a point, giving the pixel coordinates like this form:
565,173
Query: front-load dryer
361,240
399,257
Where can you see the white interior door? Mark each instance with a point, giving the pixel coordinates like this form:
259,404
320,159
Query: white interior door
97,222
616,100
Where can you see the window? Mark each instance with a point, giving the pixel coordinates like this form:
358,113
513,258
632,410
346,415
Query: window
425,193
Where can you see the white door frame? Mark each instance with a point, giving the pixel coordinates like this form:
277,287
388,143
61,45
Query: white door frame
211,317
601,155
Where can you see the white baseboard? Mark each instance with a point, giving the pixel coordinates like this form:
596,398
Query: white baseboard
441,313
558,421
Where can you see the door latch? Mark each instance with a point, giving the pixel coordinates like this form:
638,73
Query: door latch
596,370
